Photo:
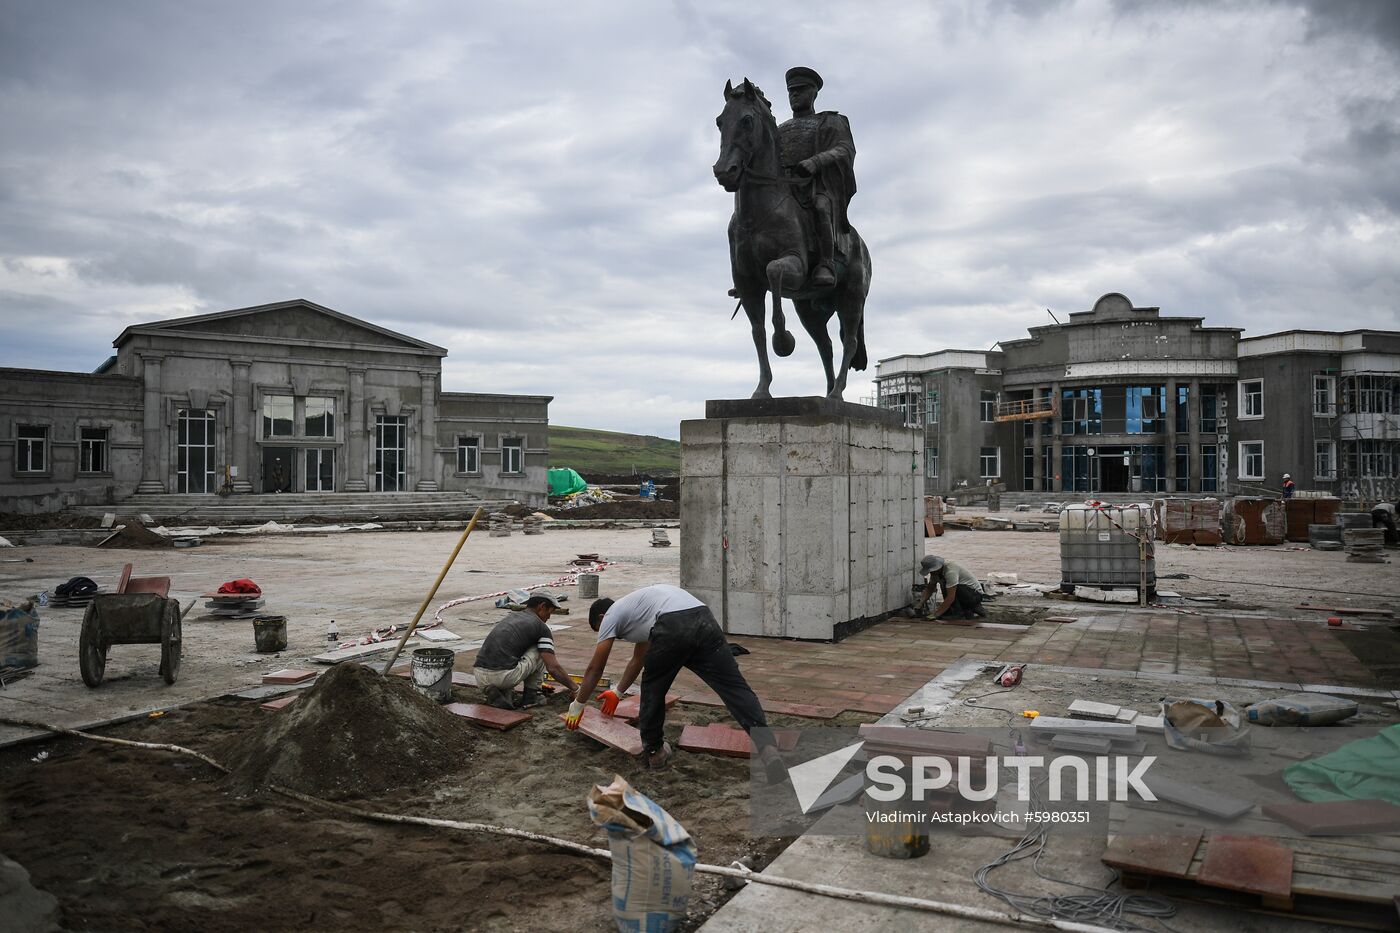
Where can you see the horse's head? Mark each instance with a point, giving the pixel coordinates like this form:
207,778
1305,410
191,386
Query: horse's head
746,126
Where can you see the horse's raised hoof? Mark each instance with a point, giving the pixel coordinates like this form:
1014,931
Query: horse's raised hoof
784,343
761,393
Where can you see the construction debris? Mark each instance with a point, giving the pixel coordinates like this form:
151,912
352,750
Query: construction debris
659,539
500,525
534,523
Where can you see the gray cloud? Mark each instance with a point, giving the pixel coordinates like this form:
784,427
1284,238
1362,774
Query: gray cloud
529,186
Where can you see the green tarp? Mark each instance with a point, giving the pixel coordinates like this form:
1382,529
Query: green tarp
1367,769
564,481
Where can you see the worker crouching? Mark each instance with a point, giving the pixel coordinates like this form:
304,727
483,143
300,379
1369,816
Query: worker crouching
962,593
519,650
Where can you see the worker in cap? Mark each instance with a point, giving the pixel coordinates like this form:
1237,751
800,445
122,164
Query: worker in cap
962,593
519,650
1288,486
818,155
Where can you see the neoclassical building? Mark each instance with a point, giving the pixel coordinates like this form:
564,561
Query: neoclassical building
285,397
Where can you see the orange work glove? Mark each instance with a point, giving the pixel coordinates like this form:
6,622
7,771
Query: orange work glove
609,700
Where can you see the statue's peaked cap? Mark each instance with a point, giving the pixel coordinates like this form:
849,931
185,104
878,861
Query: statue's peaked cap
801,73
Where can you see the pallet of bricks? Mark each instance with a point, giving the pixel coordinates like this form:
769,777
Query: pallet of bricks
1253,520
1187,521
1303,511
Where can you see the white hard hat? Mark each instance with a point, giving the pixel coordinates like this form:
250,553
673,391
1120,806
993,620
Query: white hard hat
1286,476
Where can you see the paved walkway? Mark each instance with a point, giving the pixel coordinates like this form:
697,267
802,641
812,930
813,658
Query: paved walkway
874,670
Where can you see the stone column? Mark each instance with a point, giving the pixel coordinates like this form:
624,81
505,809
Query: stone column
1038,443
1057,445
1170,414
152,433
242,424
1193,444
427,435
355,434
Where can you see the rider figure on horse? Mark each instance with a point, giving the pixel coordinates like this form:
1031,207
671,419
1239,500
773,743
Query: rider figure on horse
818,147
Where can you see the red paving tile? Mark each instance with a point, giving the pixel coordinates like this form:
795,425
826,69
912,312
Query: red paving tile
719,739
631,707
289,675
1252,864
1338,817
482,715
1153,854
611,731
273,706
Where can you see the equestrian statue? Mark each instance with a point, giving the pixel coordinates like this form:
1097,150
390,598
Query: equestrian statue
790,234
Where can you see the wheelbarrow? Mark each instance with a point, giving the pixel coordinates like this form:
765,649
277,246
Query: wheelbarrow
138,613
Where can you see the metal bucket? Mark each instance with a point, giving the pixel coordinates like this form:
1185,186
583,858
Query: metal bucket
270,634
899,835
588,586
432,673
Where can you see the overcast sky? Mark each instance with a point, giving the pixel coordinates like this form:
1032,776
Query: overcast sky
529,184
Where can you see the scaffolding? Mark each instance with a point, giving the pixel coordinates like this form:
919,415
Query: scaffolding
1356,434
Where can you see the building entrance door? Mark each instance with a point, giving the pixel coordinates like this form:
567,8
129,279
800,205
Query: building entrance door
1115,471
320,469
277,464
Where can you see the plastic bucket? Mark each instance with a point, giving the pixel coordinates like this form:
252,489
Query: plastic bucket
432,673
588,586
270,634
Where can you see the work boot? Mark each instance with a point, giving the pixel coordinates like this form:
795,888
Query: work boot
531,699
773,768
660,759
978,612
498,698
823,277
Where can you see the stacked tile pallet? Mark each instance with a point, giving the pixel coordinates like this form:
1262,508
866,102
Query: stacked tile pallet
1253,520
1187,521
1365,545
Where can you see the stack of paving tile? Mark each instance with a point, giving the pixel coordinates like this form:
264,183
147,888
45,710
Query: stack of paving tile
659,538
534,524
1253,520
933,516
500,525
1365,545
233,605
1187,521
959,749
1304,511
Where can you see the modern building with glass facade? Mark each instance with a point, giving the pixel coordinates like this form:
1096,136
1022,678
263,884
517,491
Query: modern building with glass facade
1120,399
286,397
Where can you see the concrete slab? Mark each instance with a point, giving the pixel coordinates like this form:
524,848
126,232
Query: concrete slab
1198,798
489,716
1337,817
1088,709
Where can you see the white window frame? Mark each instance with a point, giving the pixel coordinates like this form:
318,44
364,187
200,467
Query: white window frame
931,462
25,448
996,460
987,406
1245,414
1244,460
519,458
86,445
1327,450
330,417
933,404
269,422
187,479
1328,395
465,443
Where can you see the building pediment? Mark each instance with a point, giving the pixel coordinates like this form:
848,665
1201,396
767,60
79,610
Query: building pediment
297,322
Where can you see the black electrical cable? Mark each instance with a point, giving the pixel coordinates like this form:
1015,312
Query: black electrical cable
1098,906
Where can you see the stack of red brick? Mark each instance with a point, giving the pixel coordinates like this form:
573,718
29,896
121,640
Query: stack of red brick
1187,521
1254,520
933,516
1303,512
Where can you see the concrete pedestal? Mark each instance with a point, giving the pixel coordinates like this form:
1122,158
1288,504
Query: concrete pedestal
801,516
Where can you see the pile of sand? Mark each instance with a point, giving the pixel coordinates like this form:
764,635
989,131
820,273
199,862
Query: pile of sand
353,733
136,535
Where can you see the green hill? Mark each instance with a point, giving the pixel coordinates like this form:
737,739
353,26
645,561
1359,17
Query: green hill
599,453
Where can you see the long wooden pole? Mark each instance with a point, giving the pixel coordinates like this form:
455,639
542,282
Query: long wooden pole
433,592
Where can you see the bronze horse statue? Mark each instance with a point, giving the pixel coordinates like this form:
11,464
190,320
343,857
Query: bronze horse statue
770,245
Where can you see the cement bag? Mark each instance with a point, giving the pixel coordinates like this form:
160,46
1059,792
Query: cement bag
19,636
1211,726
1301,709
653,858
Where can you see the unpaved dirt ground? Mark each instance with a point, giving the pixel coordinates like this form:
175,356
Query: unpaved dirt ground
129,839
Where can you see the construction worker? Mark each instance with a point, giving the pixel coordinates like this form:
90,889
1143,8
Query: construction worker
1288,486
962,593
1383,516
669,629
519,650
